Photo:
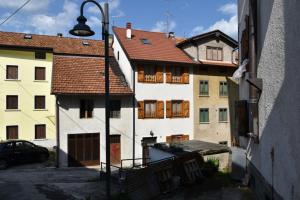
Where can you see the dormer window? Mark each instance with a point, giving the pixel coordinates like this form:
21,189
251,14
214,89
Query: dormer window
214,53
145,41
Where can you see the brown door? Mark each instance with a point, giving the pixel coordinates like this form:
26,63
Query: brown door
115,149
83,149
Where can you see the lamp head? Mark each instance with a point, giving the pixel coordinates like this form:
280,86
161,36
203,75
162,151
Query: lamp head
81,29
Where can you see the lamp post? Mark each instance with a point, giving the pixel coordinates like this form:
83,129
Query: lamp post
81,29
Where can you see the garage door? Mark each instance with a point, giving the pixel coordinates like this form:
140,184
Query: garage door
83,149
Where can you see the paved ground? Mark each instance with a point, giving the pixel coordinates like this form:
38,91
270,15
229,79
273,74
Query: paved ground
51,184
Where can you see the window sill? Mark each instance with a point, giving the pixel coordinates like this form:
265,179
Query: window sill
40,109
12,110
224,122
204,123
221,96
17,80
40,81
44,139
203,95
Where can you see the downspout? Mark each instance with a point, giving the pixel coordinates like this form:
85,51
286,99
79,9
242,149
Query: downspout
254,85
133,118
57,131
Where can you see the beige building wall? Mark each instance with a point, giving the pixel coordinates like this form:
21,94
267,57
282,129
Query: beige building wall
212,131
26,87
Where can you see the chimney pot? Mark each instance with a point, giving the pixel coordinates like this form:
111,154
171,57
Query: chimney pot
171,35
128,30
59,34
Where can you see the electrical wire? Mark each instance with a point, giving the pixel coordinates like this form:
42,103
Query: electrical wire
15,12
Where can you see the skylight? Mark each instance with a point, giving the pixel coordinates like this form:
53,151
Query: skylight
85,43
145,41
27,36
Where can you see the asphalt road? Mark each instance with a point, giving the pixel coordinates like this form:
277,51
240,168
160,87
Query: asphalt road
51,184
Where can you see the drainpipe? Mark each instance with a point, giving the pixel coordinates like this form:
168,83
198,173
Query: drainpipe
57,131
133,117
255,84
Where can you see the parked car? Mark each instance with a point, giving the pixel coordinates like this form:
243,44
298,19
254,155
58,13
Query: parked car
14,152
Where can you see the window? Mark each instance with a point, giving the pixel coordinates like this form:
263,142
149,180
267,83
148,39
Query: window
11,102
177,108
86,108
12,72
223,88
176,74
203,88
40,73
214,53
115,109
150,74
39,102
40,55
223,115
204,115
12,132
150,109
40,131
118,55
145,41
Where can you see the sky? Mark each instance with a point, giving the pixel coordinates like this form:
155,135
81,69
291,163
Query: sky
185,17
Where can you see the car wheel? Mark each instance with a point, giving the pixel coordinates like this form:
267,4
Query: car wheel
3,164
43,157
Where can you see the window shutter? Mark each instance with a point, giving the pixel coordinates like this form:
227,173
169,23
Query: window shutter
168,74
185,75
40,73
168,139
169,109
160,109
185,137
141,110
241,117
159,74
11,72
141,74
186,108
208,53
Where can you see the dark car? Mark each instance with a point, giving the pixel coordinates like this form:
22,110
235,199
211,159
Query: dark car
14,152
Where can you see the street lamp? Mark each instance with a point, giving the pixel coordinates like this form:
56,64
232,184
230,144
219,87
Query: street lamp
82,29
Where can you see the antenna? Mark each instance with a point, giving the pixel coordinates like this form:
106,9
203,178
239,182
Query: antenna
168,16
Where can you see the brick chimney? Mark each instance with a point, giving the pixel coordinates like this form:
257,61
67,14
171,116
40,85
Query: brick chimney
128,30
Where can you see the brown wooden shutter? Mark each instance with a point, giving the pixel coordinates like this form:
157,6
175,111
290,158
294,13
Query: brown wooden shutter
186,108
185,138
40,131
169,109
11,72
12,132
39,102
12,102
141,110
40,73
159,74
185,75
209,53
160,109
168,139
168,74
141,74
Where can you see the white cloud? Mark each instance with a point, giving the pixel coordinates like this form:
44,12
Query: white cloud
230,26
230,8
60,23
161,26
33,5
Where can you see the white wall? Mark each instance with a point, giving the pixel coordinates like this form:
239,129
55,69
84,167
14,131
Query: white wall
163,92
70,123
279,105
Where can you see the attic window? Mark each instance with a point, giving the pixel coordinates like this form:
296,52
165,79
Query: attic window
145,41
85,43
27,36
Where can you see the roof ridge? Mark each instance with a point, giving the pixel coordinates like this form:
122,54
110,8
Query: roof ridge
140,30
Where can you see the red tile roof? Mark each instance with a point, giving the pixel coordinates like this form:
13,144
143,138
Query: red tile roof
85,75
161,48
58,44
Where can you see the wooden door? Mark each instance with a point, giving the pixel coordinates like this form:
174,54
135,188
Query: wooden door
83,149
115,149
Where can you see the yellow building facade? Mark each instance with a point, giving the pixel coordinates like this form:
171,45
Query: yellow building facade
27,109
